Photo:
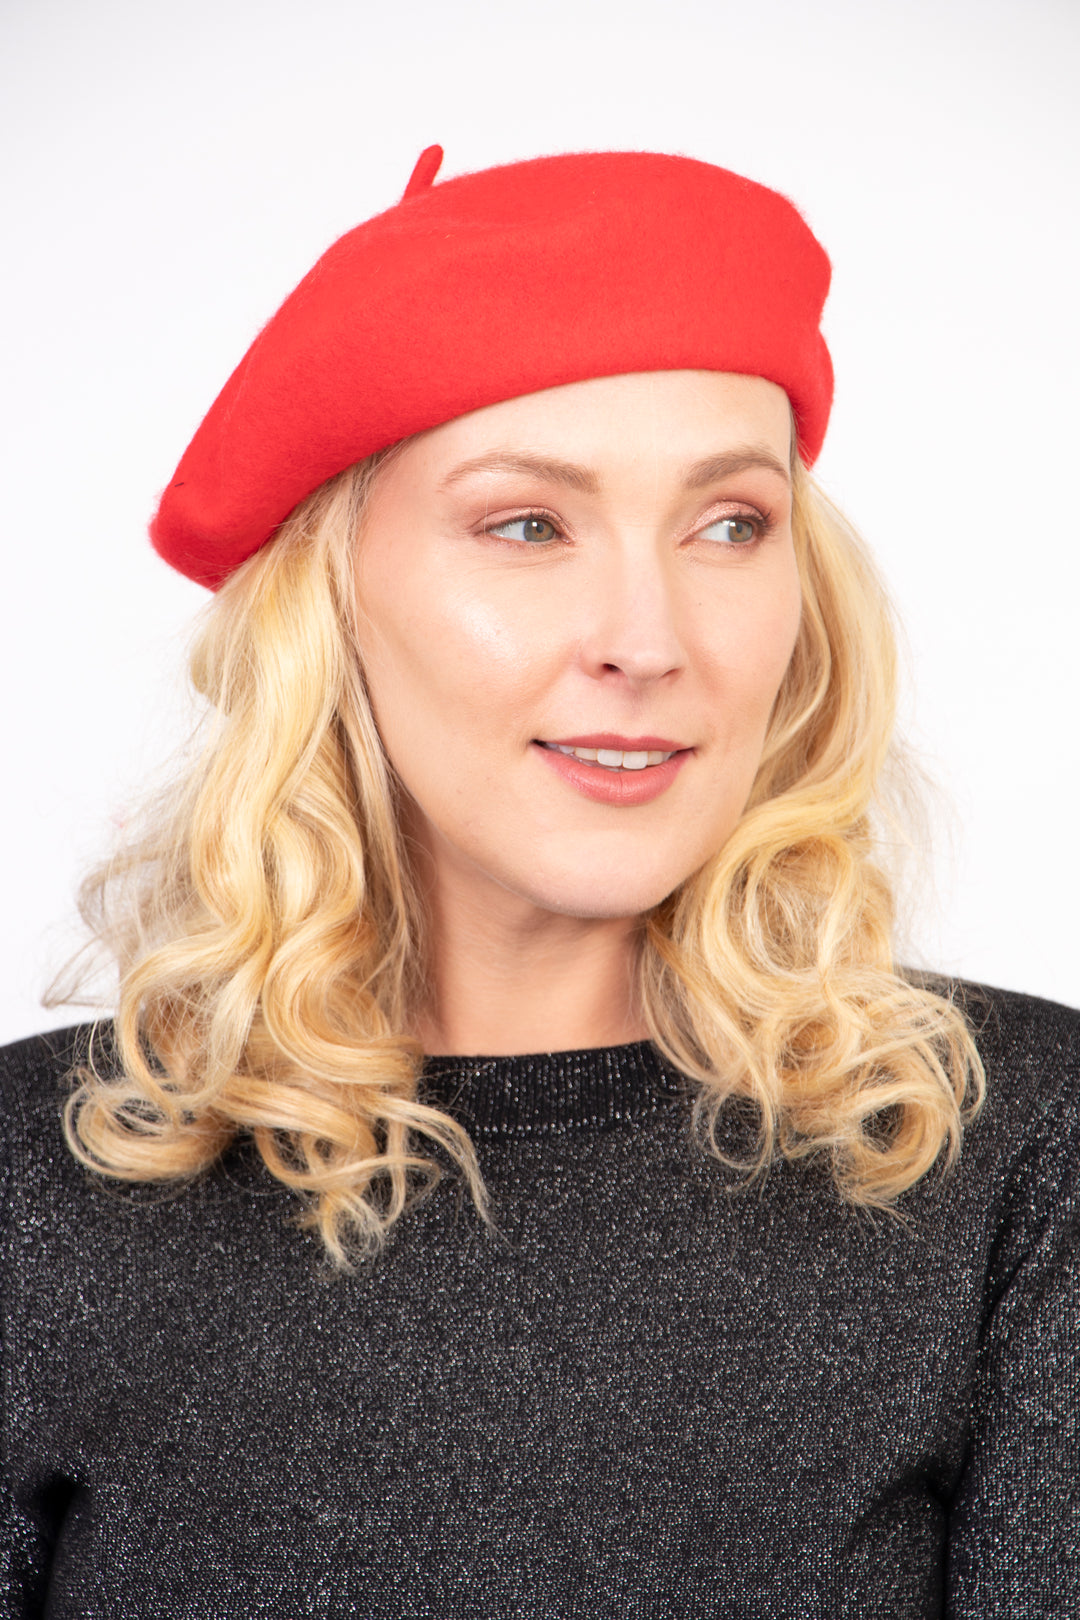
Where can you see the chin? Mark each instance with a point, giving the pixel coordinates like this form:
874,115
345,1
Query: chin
597,896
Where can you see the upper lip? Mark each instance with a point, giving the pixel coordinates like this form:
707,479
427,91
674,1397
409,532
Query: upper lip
626,745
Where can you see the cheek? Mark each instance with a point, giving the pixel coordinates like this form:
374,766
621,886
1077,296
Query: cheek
777,635
446,661
749,644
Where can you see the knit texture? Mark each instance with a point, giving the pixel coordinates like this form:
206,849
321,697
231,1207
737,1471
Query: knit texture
644,1395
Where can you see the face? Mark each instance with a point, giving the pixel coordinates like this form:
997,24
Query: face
575,612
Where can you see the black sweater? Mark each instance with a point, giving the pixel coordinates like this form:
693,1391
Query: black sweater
644,1396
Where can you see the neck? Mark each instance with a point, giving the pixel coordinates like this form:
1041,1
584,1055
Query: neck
508,977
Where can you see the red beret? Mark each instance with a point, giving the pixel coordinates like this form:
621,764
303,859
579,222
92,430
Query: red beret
488,286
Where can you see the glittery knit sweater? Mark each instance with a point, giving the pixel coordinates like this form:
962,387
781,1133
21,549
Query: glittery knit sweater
644,1395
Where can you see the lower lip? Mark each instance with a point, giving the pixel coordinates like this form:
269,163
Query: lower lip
615,787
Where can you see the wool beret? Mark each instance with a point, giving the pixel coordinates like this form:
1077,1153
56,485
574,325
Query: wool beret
491,285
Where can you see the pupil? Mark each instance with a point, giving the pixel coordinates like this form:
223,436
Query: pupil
534,528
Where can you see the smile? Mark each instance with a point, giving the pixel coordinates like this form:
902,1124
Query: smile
620,771
614,759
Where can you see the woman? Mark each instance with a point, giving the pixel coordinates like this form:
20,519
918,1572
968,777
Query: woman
519,928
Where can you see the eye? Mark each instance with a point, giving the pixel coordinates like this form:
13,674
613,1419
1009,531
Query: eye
734,531
534,529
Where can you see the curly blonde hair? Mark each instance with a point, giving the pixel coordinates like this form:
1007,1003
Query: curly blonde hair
270,939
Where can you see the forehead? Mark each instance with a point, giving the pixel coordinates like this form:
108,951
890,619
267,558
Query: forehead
674,416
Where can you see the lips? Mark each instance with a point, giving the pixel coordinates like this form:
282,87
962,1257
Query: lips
610,769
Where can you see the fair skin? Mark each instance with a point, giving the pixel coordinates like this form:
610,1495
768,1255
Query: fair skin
630,579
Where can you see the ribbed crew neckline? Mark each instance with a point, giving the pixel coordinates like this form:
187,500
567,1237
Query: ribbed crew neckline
552,1091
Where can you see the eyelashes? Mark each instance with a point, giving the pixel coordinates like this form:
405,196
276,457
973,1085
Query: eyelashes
537,529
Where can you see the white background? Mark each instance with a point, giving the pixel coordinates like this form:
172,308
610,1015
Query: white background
173,170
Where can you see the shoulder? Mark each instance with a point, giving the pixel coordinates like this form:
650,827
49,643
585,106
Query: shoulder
1031,1053
36,1078
1030,1049
1015,1027
37,1067
1023,1148
1029,1046
53,1049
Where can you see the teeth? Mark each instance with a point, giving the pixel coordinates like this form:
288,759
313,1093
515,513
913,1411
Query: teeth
614,759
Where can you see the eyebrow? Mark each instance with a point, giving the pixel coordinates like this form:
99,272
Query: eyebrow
709,470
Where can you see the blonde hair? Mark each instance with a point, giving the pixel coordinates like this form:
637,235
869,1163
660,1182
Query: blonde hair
270,941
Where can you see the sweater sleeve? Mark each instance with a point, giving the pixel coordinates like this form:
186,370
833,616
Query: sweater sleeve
26,1531
1014,1548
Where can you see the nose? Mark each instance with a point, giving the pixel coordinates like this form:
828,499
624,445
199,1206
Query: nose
632,621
